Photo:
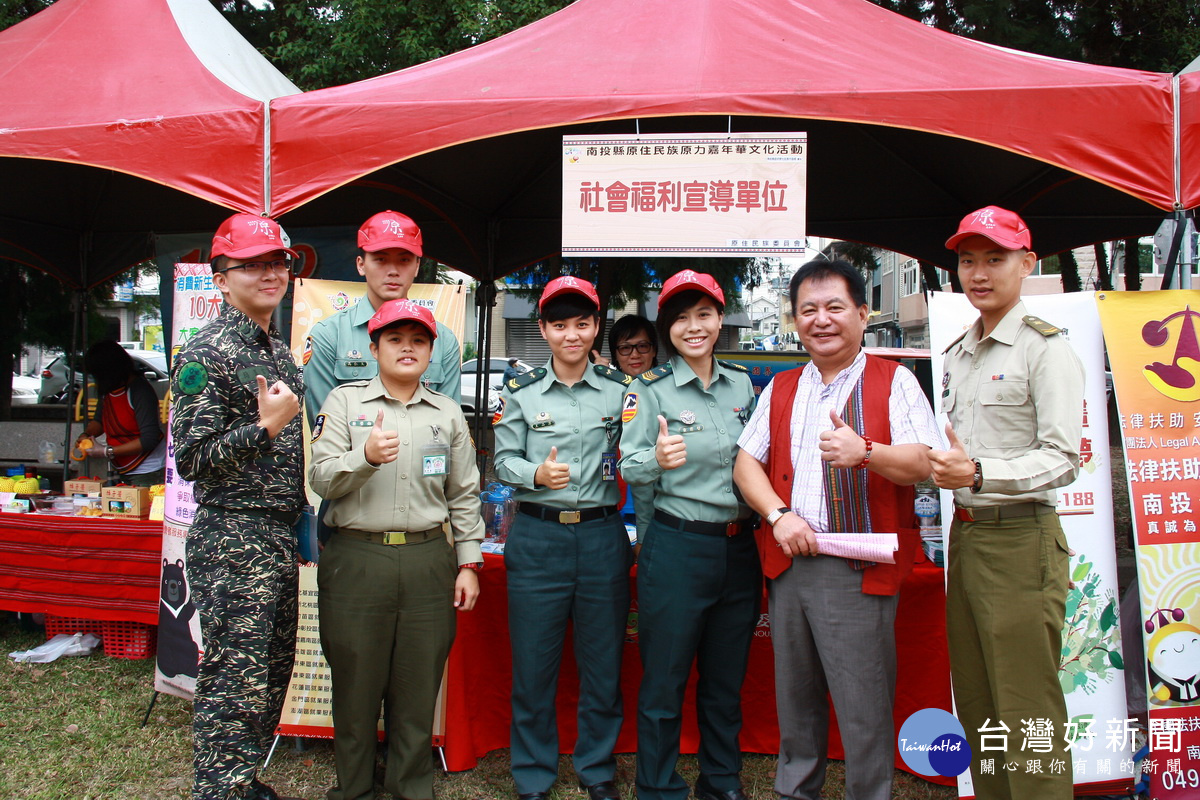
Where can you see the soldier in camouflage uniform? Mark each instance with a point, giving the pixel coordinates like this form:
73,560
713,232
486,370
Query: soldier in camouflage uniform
237,435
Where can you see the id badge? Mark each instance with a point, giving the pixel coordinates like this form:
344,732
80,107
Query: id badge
608,466
434,459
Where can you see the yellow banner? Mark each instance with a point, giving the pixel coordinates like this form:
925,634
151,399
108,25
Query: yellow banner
1154,353
316,300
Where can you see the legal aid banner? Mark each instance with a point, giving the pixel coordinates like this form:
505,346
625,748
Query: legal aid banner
1091,673
732,194
196,301
1154,353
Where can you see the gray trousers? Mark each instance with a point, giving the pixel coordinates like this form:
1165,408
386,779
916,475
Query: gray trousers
830,637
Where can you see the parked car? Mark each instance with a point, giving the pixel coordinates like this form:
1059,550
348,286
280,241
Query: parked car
25,389
54,375
495,376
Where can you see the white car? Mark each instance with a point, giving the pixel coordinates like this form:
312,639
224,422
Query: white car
495,376
25,390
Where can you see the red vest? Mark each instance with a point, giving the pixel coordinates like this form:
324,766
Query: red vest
891,506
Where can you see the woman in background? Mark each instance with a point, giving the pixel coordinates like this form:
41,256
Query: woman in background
127,414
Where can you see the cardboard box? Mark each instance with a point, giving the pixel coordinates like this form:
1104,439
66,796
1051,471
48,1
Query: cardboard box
82,486
126,501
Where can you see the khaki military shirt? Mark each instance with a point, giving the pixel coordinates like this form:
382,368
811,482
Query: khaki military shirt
1015,399
710,420
338,351
433,480
583,421
215,433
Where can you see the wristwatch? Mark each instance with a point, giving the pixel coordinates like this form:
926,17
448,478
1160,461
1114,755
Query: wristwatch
472,565
977,483
776,515
109,452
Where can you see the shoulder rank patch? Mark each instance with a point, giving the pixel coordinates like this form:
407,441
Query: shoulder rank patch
191,378
661,371
612,374
956,341
526,378
1041,326
318,427
733,365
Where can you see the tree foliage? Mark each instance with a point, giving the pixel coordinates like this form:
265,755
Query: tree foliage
1157,35
319,43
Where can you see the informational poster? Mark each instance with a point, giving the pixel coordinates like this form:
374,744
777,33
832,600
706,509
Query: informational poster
196,301
1154,353
733,194
315,300
1099,736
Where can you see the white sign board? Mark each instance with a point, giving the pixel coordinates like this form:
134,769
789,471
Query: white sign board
734,194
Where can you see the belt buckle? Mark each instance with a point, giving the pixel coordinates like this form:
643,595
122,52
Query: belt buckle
732,528
964,514
569,517
394,537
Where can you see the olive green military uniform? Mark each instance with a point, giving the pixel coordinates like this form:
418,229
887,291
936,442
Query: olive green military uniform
339,351
568,558
699,587
1015,399
386,577
241,549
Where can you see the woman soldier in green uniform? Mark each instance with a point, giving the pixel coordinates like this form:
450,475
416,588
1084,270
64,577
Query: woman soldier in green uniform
699,580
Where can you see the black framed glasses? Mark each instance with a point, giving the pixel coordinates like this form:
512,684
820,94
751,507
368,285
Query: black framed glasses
641,347
255,268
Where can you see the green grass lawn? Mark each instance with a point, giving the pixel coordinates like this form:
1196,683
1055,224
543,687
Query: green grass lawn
70,729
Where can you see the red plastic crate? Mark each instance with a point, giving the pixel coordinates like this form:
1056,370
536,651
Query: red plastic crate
129,639
71,626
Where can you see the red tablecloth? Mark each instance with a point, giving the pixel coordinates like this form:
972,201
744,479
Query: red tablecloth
91,568
478,711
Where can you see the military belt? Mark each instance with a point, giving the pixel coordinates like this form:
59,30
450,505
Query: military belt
392,537
289,518
996,513
706,528
566,516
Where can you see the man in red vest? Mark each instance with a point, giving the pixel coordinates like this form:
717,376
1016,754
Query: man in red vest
835,447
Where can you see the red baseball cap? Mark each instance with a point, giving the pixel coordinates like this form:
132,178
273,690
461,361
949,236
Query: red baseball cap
390,229
1000,225
249,235
690,279
394,311
569,284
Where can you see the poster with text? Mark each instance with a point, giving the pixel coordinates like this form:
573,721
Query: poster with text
196,301
732,194
1154,353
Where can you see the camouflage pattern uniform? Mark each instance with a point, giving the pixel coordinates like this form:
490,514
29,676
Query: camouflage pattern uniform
241,550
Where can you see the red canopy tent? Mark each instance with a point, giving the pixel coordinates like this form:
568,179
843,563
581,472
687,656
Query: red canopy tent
119,117
908,126
1189,136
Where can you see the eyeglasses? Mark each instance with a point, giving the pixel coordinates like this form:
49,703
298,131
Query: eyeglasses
641,347
255,268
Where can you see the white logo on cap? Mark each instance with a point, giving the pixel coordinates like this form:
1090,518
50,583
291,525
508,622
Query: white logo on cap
688,275
262,227
569,281
986,217
393,227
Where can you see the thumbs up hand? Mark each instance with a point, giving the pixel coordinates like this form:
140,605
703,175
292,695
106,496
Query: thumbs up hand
671,451
952,469
842,447
552,474
382,446
277,405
